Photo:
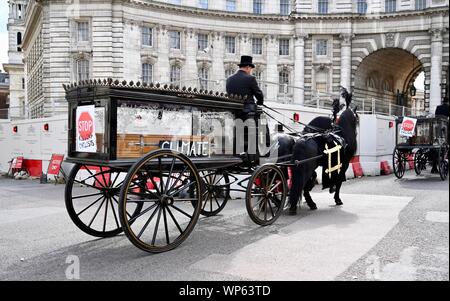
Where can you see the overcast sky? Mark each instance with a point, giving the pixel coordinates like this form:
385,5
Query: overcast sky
3,33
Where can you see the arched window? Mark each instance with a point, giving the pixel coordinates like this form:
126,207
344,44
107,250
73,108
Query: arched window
147,73
386,85
370,83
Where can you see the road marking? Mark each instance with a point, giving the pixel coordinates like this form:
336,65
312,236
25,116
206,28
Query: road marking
437,216
319,246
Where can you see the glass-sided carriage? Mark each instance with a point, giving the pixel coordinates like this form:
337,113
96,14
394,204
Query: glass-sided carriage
427,146
148,160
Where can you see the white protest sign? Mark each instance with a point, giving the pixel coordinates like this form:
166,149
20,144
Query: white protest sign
85,130
408,127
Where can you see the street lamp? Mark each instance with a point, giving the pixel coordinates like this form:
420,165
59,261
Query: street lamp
412,90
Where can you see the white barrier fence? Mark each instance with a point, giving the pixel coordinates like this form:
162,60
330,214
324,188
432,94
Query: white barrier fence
33,142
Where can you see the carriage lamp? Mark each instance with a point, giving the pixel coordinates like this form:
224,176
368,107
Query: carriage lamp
46,127
412,90
15,129
296,117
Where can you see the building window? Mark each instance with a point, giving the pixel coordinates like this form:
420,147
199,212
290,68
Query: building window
284,47
229,72
82,70
257,7
19,38
23,83
230,44
178,2
285,7
322,87
203,4
147,36
390,6
147,73
203,76
231,5
257,46
259,77
421,4
202,41
321,47
175,74
283,81
175,39
83,31
362,6
323,7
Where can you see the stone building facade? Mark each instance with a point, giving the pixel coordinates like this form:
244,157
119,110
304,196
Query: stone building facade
16,29
304,49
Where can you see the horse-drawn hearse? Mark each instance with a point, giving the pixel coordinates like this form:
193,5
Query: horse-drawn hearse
149,159
422,141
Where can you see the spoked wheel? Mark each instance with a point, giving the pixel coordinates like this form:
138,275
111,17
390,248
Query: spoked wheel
420,161
216,192
266,194
443,163
92,199
168,185
399,163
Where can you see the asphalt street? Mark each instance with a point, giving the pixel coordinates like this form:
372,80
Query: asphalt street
388,229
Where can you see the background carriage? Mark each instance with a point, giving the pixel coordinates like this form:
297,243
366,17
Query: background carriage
428,145
148,160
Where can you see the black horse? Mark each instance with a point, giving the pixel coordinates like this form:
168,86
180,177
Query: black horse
309,146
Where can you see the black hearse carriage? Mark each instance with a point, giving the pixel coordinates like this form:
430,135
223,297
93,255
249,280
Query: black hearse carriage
148,160
426,144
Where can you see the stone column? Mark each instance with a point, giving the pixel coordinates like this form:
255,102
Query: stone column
245,41
299,69
272,67
190,68
218,52
346,60
162,66
436,71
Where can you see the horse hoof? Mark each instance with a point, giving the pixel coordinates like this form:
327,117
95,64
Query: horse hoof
339,203
293,210
312,207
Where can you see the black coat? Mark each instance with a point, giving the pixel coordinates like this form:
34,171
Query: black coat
243,84
442,110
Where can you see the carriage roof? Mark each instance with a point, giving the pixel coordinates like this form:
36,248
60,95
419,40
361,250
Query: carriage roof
94,89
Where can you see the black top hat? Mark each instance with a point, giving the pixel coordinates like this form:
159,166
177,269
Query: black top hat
246,61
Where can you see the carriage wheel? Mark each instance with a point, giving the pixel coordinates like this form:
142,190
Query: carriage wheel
420,161
216,192
266,194
399,163
443,164
170,185
92,199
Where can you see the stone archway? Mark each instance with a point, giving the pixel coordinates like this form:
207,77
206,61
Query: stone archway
386,76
